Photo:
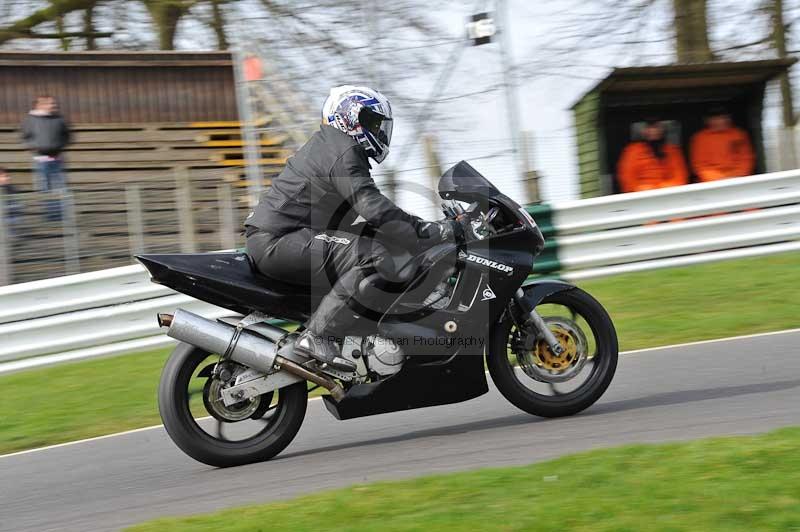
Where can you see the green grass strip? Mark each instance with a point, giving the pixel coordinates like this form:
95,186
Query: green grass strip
722,484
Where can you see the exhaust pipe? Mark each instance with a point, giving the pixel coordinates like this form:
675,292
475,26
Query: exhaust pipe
240,345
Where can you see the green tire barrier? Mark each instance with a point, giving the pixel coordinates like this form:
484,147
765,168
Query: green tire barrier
547,262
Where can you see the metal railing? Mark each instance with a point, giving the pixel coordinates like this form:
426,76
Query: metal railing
48,234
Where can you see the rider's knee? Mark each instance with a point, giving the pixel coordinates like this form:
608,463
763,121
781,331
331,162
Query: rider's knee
378,260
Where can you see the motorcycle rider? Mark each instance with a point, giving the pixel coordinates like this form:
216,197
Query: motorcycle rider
302,232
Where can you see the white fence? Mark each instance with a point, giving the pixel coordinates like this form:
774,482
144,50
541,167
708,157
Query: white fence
86,315
751,216
113,311
637,208
634,244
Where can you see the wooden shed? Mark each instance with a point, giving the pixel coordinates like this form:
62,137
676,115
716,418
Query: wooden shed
155,163
120,87
605,116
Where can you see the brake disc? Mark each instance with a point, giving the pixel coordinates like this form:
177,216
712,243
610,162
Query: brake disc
212,399
539,362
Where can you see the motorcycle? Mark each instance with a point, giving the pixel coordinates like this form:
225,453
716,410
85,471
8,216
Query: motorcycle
234,392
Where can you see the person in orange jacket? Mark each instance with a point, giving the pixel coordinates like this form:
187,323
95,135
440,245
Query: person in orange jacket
721,150
651,162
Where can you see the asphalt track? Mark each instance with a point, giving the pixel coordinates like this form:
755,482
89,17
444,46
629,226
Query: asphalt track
736,386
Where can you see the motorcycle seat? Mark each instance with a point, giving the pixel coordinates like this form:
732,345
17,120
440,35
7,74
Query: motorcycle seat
276,285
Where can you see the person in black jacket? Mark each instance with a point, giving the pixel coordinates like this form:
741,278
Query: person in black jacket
302,229
46,134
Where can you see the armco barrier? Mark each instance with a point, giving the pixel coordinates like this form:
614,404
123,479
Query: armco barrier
113,311
86,328
77,292
716,233
638,208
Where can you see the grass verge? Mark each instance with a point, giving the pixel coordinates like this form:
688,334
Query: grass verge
85,399
722,484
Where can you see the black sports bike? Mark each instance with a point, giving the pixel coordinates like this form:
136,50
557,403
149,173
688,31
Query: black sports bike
234,392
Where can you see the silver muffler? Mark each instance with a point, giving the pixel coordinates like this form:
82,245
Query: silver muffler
240,345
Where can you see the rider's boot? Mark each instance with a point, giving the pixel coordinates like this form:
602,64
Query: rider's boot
324,350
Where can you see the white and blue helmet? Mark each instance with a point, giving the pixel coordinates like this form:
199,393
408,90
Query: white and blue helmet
362,113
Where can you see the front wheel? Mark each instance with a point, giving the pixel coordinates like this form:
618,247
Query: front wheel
542,383
222,436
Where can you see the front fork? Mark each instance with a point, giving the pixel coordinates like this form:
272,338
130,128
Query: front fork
536,321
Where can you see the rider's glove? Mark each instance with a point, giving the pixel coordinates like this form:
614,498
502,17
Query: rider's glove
436,232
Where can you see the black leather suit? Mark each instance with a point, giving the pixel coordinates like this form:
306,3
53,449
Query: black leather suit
303,230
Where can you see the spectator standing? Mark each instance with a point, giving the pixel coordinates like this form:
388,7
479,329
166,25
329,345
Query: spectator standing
721,150
46,133
651,162
12,208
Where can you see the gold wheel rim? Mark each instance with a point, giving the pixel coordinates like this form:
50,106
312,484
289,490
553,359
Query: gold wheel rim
545,358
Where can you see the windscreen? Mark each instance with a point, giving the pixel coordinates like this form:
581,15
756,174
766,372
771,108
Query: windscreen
462,182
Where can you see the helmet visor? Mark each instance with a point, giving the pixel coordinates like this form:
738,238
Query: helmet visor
385,134
378,125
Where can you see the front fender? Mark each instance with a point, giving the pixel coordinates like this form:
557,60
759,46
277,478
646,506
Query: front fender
537,290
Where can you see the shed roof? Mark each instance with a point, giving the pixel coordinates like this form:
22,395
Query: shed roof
115,58
132,87
689,76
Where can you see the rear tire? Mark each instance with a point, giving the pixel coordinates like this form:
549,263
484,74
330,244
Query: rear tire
504,373
184,430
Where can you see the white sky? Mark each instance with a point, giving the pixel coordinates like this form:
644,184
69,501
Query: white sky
544,94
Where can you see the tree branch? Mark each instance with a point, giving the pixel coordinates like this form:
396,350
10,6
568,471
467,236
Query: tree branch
56,9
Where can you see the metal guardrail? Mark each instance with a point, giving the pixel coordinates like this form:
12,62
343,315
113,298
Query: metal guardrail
87,328
715,233
59,295
113,311
638,208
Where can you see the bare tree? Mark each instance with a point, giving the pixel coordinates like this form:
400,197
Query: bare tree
88,27
165,15
779,42
217,23
691,31
51,12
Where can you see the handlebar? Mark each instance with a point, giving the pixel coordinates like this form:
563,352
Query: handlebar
473,224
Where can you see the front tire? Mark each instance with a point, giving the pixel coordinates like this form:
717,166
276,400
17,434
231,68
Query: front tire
510,380
188,433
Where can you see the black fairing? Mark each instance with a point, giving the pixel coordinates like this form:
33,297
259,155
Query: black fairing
229,280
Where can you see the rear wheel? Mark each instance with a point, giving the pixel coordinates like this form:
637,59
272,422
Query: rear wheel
542,383
222,436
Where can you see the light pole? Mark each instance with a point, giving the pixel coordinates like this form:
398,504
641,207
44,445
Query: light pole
512,107
250,138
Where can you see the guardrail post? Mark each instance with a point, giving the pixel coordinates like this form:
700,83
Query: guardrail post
5,262
787,148
183,199
72,261
227,239
530,175
434,168
133,201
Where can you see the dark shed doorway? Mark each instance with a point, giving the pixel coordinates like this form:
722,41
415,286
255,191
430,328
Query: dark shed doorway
681,94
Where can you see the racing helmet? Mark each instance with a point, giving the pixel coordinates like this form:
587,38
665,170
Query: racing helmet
363,113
